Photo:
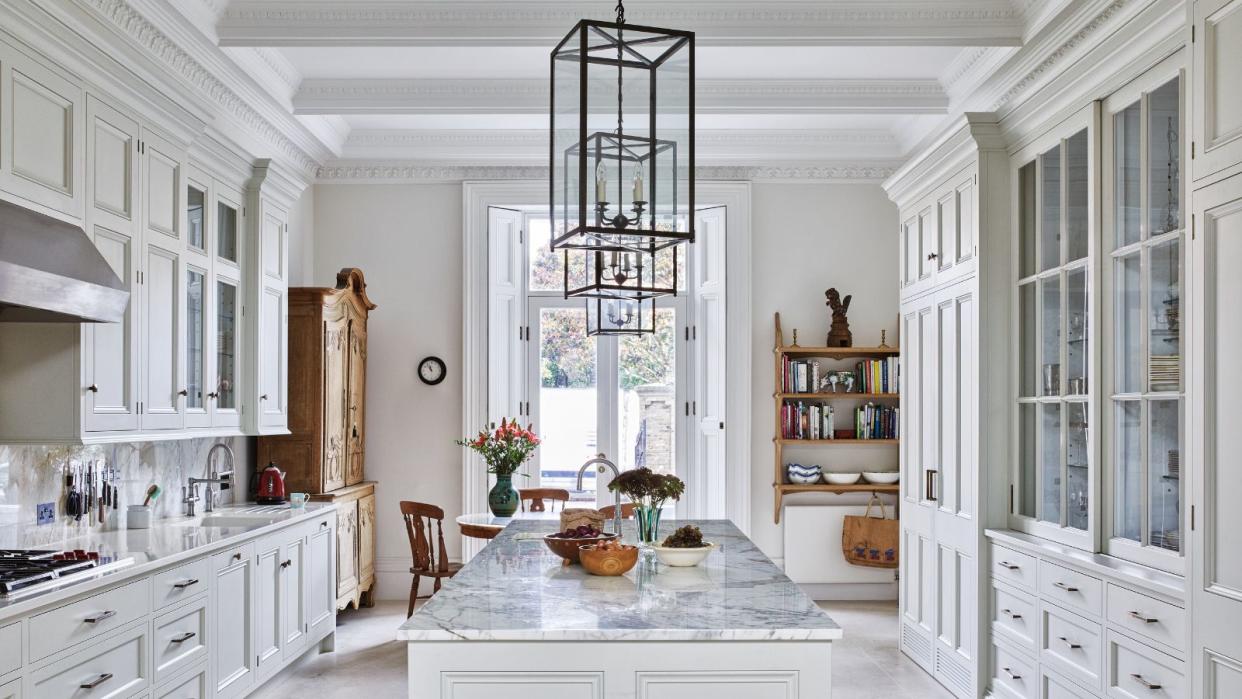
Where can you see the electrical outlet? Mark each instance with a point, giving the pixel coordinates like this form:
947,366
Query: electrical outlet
46,512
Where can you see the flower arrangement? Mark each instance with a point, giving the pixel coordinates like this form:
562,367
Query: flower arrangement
648,491
504,448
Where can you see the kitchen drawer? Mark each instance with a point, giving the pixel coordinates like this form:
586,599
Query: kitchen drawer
192,685
10,647
230,557
1014,568
1150,618
1057,687
181,583
1069,588
1015,616
1142,672
88,618
180,639
115,667
1013,675
1073,645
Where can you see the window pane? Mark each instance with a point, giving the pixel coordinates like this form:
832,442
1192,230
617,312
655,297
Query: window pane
1026,220
1163,157
1128,318
547,268
1050,336
194,217
1028,353
1077,189
1126,143
1077,331
226,328
1128,489
1050,203
647,374
226,239
1050,462
1077,478
567,400
1164,467
1027,467
196,323
1165,368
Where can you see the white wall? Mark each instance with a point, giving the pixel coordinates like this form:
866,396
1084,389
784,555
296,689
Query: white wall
407,239
302,240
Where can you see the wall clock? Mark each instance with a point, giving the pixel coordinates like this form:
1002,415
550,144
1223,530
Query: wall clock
431,370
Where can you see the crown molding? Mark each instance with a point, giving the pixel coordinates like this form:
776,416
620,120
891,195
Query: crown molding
492,96
543,22
380,172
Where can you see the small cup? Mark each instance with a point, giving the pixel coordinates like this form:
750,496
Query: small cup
297,501
138,517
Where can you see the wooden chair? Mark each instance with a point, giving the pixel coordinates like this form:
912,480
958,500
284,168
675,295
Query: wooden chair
430,559
538,495
627,511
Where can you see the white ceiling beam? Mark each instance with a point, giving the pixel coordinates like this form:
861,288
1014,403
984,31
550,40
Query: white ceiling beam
487,96
544,22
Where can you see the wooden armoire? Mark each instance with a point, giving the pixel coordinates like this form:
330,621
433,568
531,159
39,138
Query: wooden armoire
323,454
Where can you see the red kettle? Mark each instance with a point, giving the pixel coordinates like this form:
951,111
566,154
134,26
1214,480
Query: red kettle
271,490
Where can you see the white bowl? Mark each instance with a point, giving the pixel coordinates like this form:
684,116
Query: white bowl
881,477
803,478
683,558
842,478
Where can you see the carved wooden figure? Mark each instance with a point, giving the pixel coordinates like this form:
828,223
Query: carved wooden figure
839,334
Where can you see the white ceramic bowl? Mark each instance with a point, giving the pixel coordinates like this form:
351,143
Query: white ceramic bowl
803,478
881,477
842,478
683,558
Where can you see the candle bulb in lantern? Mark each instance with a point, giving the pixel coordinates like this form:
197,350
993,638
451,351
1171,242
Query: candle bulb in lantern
638,183
601,183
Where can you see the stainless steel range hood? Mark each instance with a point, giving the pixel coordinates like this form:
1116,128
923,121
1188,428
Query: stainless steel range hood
50,272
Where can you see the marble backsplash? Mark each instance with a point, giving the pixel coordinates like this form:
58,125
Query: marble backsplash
30,475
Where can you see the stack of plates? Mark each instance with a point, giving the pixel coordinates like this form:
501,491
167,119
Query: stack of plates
1165,372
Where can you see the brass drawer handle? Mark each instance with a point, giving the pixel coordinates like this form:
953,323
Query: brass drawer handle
1011,674
99,617
1071,644
98,681
1141,680
1063,586
184,637
1009,566
185,583
1011,614
1144,619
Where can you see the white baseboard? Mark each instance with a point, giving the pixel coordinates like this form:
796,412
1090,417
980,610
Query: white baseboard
393,578
826,592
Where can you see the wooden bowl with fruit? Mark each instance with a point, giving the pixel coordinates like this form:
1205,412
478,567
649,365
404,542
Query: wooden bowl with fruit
684,548
566,544
610,557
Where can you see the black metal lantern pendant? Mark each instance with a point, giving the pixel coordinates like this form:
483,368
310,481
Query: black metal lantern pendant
622,165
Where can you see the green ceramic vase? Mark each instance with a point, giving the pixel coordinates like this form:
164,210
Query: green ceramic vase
502,499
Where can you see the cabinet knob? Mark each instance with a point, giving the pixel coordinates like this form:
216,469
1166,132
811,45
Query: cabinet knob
97,681
286,564
932,255
93,388
263,397
237,556
183,392
213,395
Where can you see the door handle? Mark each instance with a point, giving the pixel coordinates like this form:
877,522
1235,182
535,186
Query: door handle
1143,681
98,681
930,485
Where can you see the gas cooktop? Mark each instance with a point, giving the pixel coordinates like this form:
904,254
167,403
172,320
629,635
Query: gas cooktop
27,572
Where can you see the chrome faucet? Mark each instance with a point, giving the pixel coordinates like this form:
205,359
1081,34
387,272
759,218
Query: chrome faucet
214,478
601,462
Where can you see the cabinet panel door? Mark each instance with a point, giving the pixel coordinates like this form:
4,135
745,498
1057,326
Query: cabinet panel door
110,361
929,231
911,245
232,644
273,244
336,369
268,602
366,537
1216,578
1217,91
162,359
918,555
227,307
347,549
273,374
41,157
162,184
320,575
294,624
356,402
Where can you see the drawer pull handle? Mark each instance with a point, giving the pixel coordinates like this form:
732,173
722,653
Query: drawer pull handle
100,617
1071,644
323,524
98,681
184,637
1011,674
237,556
1063,586
1144,619
1008,566
1141,680
185,583
1011,614
286,564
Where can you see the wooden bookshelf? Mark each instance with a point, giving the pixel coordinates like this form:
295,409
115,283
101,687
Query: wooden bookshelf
782,351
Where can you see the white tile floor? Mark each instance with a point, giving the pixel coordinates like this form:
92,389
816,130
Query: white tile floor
369,664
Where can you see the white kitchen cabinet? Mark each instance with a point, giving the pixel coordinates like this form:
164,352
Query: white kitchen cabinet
320,575
294,622
232,652
1217,144
267,293
937,236
227,308
198,343
269,602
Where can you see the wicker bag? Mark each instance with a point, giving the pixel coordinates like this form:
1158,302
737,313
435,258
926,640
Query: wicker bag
574,517
870,541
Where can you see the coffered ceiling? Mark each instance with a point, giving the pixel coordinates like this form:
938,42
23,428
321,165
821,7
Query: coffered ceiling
465,81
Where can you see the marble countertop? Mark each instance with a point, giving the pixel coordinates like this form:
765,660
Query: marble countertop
517,590
167,542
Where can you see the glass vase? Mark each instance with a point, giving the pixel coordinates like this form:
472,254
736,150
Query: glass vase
502,499
648,519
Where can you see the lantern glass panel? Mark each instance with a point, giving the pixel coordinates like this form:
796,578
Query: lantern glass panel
621,274
620,316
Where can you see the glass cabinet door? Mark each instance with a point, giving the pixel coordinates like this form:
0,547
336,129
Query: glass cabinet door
1054,483
1144,145
228,345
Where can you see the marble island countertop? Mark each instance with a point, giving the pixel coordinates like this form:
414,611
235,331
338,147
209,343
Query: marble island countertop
167,542
518,590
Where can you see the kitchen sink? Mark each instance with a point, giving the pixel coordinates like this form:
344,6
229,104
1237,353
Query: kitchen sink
246,516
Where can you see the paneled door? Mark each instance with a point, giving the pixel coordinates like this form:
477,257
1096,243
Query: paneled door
1217,90
1216,579
163,376
918,555
355,401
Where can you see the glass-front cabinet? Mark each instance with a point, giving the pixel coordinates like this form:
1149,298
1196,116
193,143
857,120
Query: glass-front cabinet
1144,225
1055,484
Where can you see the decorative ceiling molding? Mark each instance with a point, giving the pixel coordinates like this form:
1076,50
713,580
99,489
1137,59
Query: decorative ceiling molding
491,96
543,22
363,172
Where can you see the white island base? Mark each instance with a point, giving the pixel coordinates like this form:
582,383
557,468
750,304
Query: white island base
515,622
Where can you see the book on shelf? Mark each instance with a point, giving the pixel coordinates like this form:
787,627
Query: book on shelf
874,376
873,421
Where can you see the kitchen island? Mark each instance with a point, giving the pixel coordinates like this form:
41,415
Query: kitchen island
516,619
